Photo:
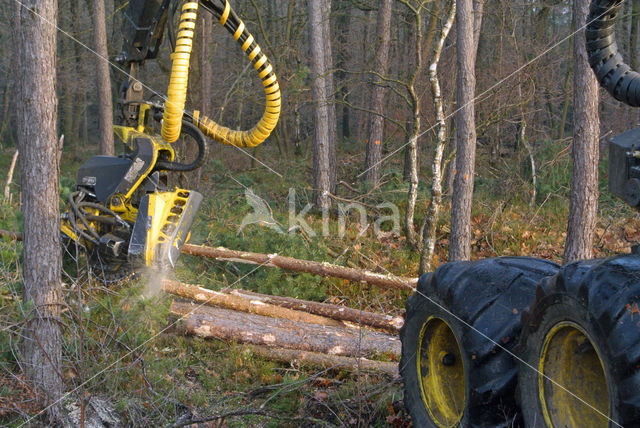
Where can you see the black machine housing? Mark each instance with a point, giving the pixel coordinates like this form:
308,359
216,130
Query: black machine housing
624,166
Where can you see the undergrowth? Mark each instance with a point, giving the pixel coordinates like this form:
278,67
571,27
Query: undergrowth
122,345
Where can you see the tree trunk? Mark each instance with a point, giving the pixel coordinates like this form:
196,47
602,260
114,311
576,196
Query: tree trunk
411,163
210,322
337,312
105,107
376,120
460,240
7,187
331,89
633,35
35,41
583,204
316,268
429,233
243,304
322,172
316,359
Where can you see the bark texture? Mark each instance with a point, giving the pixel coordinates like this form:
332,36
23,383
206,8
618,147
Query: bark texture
103,81
376,119
243,304
411,164
35,41
322,150
460,240
316,268
225,324
583,204
435,205
337,312
317,359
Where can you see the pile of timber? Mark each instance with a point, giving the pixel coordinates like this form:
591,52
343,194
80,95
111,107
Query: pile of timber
286,329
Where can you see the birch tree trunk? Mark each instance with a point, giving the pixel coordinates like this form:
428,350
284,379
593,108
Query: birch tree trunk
322,174
35,41
376,120
105,106
411,157
583,204
435,205
460,240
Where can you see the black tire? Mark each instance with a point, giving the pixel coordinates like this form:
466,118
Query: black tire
472,381
584,333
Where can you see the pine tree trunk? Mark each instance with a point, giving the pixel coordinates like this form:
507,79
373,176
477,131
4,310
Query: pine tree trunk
105,106
35,41
460,240
633,35
330,84
583,204
321,138
376,120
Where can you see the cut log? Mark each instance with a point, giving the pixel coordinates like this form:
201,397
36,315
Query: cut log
316,268
243,304
317,359
289,263
225,324
371,319
7,187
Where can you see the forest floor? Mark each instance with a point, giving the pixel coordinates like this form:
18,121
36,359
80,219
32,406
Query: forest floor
119,345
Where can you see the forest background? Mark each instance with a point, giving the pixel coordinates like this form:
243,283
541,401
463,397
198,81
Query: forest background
523,111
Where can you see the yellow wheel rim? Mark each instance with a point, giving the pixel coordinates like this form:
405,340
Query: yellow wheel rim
570,358
441,373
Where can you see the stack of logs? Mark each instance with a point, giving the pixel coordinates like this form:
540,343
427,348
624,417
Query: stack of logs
287,329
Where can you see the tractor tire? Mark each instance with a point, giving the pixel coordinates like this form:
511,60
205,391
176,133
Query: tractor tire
453,374
580,347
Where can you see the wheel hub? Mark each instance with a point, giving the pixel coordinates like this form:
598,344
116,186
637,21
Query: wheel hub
441,373
573,390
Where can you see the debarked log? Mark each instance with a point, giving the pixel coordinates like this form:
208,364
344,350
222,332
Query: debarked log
225,324
317,359
243,304
338,312
316,268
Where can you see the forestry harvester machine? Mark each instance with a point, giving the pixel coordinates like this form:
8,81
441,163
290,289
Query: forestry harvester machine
518,341
123,212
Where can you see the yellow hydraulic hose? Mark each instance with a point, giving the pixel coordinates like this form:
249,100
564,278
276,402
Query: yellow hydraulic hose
177,91
269,119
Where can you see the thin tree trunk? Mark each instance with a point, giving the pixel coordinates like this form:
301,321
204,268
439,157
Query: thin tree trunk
460,240
322,172
478,11
316,268
633,34
411,154
5,113
583,204
331,89
105,107
35,41
435,205
376,120
7,187
318,359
